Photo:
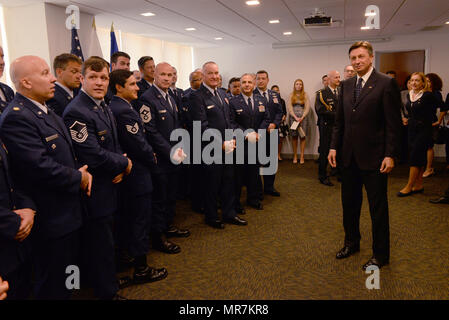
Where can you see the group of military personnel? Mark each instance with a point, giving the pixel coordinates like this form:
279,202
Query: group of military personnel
91,176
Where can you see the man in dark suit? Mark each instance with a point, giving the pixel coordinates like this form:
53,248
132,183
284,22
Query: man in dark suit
119,61
135,191
248,111
272,101
210,107
160,116
16,222
6,93
366,134
44,166
67,68
94,135
325,106
146,67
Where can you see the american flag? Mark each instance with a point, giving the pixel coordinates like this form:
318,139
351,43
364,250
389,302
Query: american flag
76,45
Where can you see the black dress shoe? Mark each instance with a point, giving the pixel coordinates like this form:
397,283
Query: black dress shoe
163,245
236,220
347,251
257,206
273,193
217,224
440,200
326,182
240,210
178,233
148,274
374,262
124,282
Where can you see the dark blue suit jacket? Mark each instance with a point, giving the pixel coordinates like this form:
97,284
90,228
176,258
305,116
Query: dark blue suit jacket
96,144
43,165
9,95
133,139
274,106
143,86
61,99
159,123
12,252
243,117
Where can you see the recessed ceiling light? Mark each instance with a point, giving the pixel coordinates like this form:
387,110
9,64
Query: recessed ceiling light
218,38
364,28
274,21
252,3
148,14
370,14
287,33
190,29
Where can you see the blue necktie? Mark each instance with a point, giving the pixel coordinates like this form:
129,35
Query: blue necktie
358,89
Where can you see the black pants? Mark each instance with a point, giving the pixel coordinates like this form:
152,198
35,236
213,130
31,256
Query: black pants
99,257
351,193
219,183
164,201
51,257
19,282
197,186
325,141
246,174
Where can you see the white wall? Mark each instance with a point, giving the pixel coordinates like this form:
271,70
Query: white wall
311,63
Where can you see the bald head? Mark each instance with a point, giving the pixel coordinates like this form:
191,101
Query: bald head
333,79
196,78
32,78
163,75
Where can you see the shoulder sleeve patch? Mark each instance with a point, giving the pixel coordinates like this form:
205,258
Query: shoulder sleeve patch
78,131
133,129
145,113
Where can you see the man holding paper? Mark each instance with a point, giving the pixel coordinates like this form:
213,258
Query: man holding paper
210,106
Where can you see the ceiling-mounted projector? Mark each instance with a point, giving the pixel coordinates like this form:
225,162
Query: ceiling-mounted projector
317,19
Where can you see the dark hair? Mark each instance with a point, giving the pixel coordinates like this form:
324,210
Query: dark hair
117,54
61,61
362,44
391,72
234,79
435,81
406,81
143,60
325,76
94,63
262,71
118,77
274,86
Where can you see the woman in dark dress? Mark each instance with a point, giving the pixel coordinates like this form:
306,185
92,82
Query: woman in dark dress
420,106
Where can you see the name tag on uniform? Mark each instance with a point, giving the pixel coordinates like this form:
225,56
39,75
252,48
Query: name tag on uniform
275,100
261,108
53,137
162,111
239,110
102,133
210,107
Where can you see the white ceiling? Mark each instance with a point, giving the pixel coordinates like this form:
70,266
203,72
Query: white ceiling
239,24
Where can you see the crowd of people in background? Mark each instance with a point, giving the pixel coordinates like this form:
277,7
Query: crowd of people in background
91,176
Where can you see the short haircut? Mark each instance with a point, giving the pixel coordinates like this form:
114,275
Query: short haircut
192,73
207,63
118,77
325,76
94,63
143,60
261,72
391,72
435,81
362,44
274,86
117,54
61,61
233,79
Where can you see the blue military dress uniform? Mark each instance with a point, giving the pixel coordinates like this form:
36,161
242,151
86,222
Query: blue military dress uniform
9,95
160,119
272,101
136,188
213,112
94,135
60,100
44,166
143,86
244,116
14,255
